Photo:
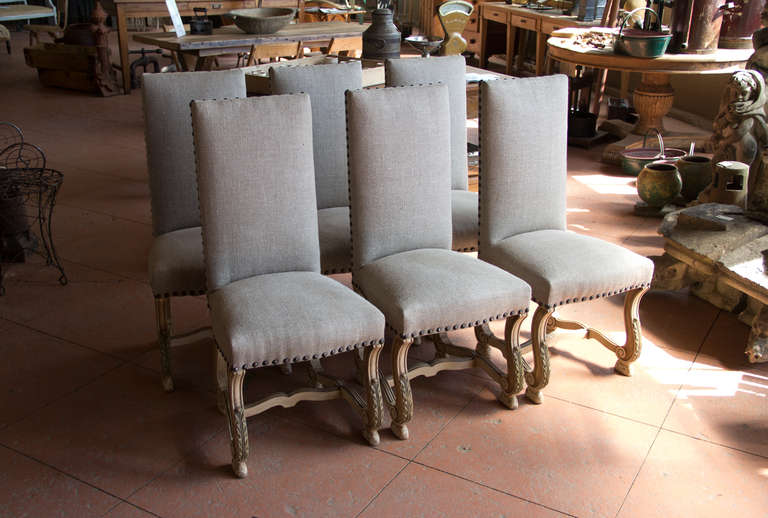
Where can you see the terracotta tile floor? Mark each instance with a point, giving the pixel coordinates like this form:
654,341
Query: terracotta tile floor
85,429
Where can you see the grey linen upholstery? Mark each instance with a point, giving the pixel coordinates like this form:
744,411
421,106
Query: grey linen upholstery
176,256
335,244
464,216
268,301
563,267
398,162
429,291
401,226
242,180
176,263
450,71
522,199
326,85
168,133
290,317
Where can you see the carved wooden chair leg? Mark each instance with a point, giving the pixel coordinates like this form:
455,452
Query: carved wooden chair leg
511,381
483,334
374,403
402,412
634,342
221,381
238,429
511,352
164,333
286,368
537,377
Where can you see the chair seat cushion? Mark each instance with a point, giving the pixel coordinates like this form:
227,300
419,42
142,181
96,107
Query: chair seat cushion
176,265
289,317
464,219
431,290
335,246
563,267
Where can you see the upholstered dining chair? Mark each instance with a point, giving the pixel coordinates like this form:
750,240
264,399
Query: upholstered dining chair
326,85
176,257
400,193
449,70
269,303
523,146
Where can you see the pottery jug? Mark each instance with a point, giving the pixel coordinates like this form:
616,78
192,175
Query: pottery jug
658,184
696,173
382,39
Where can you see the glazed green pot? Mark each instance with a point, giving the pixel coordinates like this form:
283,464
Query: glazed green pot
659,183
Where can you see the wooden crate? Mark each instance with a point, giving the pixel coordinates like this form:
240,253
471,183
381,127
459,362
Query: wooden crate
64,66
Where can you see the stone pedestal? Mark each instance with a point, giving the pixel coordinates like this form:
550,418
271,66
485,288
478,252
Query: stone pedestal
718,252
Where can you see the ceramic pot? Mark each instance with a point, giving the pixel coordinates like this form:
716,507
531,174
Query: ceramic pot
659,183
382,39
696,173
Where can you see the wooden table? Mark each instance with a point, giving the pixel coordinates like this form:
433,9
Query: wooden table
514,18
654,97
230,39
123,9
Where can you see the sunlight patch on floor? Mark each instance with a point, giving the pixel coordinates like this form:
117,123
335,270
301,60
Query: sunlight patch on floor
603,184
710,381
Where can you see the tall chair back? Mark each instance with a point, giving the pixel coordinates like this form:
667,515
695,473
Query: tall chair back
256,220
403,202
528,160
168,133
449,70
325,85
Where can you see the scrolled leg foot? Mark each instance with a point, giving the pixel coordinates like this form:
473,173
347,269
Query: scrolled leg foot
508,400
623,368
240,468
533,395
167,383
372,436
400,430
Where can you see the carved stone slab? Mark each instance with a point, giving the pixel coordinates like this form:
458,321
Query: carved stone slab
711,230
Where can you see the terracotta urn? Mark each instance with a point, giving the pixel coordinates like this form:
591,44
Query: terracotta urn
659,183
696,173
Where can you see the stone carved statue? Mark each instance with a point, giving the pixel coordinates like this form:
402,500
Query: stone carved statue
740,131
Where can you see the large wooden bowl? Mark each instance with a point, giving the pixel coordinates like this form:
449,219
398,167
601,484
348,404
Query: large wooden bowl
262,20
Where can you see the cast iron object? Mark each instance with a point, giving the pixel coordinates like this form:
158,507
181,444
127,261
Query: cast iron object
582,124
200,24
634,160
262,20
382,39
641,43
